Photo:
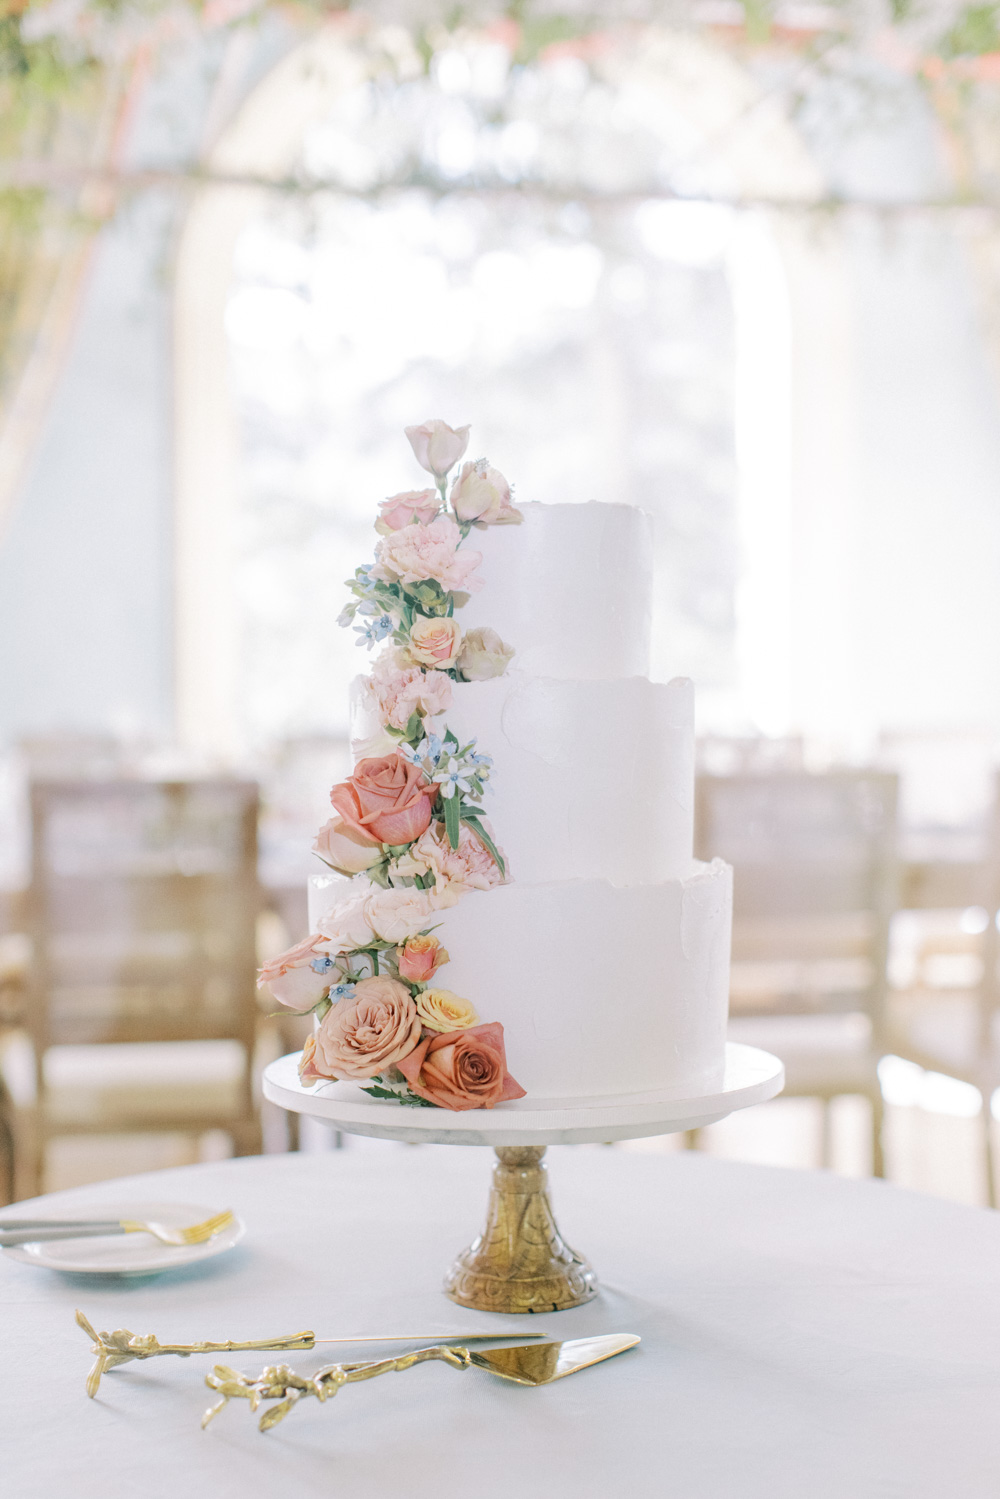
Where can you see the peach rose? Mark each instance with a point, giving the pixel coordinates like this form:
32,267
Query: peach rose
374,1029
345,849
420,959
436,446
418,553
481,493
387,799
483,655
344,927
415,507
441,1010
291,977
308,1071
395,915
460,1069
435,642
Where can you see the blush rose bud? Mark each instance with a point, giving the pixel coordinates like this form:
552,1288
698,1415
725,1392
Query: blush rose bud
482,494
344,848
436,446
415,507
420,959
483,655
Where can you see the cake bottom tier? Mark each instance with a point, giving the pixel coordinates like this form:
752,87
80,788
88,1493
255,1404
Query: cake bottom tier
601,989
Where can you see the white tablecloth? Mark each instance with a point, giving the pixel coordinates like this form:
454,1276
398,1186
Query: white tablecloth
803,1336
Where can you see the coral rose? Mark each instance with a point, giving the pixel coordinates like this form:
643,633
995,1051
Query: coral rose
435,642
441,1010
418,553
484,655
344,848
436,446
416,507
481,493
291,977
461,1069
420,959
387,799
376,1028
395,915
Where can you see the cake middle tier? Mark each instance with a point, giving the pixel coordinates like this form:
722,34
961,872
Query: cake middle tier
590,780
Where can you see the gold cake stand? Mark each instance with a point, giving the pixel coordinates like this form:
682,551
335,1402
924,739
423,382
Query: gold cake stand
520,1262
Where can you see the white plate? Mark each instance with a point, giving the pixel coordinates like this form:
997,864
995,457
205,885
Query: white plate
122,1254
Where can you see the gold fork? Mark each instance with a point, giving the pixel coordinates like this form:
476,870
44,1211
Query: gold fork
177,1238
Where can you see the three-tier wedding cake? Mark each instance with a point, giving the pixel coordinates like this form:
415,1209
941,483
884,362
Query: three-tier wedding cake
573,915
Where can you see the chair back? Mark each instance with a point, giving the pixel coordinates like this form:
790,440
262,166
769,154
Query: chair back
815,886
142,910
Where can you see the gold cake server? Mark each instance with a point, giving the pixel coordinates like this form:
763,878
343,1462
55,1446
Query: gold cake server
121,1346
526,1364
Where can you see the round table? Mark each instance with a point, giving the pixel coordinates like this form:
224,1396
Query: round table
802,1335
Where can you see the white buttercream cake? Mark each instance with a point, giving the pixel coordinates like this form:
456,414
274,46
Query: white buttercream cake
606,956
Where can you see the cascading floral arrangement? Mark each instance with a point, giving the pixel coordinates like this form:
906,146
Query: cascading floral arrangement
408,829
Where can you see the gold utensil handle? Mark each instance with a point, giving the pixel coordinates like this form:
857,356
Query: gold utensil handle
278,1382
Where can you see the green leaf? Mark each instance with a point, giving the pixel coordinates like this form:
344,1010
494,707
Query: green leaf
452,819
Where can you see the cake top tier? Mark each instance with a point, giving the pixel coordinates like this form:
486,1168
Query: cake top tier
570,589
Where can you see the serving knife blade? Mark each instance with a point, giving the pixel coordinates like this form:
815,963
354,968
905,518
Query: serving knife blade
541,1363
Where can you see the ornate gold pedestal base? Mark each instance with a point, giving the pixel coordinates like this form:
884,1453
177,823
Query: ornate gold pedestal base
519,1263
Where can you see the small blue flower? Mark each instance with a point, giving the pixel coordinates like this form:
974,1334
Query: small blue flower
371,634
322,964
341,991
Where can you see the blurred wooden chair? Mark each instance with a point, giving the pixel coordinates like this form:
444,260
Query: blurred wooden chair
141,916
815,890
759,754
947,1016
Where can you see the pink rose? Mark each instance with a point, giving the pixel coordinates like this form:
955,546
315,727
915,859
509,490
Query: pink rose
399,691
345,849
436,446
461,1069
481,493
387,799
374,1029
435,642
414,507
291,977
483,655
420,959
419,553
470,866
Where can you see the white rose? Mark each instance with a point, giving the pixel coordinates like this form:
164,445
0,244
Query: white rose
345,925
483,655
395,915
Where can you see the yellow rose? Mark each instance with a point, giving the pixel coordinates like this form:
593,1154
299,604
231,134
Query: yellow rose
435,642
440,1010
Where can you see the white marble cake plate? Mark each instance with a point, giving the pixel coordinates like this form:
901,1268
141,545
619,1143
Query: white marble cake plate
751,1077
